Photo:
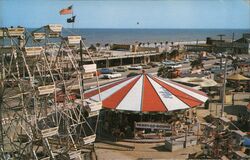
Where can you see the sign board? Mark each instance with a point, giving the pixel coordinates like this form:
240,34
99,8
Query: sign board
151,125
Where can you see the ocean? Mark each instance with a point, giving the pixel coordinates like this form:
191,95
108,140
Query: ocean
129,36
104,36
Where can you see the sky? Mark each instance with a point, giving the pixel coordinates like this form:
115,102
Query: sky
126,13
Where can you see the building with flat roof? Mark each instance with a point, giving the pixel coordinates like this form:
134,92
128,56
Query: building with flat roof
240,46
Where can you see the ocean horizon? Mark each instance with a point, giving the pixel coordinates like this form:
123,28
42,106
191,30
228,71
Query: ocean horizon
132,35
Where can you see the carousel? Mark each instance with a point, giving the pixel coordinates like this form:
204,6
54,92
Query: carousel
146,107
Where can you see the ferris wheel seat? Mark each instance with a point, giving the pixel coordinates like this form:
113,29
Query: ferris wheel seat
39,36
89,139
55,28
75,154
49,132
48,89
12,32
94,113
89,68
23,138
33,51
92,105
74,40
88,75
54,35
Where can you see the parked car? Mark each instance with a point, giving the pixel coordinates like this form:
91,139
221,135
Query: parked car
105,71
211,57
135,67
186,61
217,69
240,59
154,64
144,66
175,66
204,58
112,75
206,72
218,55
168,63
218,63
131,74
120,69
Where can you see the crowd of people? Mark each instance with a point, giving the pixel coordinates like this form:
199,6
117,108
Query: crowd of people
122,124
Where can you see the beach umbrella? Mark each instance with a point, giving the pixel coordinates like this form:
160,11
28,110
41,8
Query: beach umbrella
146,93
237,77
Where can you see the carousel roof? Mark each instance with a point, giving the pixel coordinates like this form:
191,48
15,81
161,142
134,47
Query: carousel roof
145,93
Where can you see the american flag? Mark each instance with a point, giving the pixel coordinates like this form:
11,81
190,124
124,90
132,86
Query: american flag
68,10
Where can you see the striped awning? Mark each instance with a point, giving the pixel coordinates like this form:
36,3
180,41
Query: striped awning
145,93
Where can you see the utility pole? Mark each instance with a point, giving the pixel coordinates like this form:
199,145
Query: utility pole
224,88
233,37
221,62
221,35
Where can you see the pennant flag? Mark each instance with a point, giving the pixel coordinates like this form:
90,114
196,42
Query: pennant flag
68,10
71,20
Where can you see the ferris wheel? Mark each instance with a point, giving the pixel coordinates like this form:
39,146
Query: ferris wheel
44,114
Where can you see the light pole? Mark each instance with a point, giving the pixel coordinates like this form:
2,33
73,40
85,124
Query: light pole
224,87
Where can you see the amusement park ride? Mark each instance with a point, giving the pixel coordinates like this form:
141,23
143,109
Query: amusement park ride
220,142
43,112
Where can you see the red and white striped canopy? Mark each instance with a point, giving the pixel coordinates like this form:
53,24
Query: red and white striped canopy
145,93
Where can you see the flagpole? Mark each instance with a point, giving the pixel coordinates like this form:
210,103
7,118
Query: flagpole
72,16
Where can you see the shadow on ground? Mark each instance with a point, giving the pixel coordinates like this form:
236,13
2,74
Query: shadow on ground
235,110
160,148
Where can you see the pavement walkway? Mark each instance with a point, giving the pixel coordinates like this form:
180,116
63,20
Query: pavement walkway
141,151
